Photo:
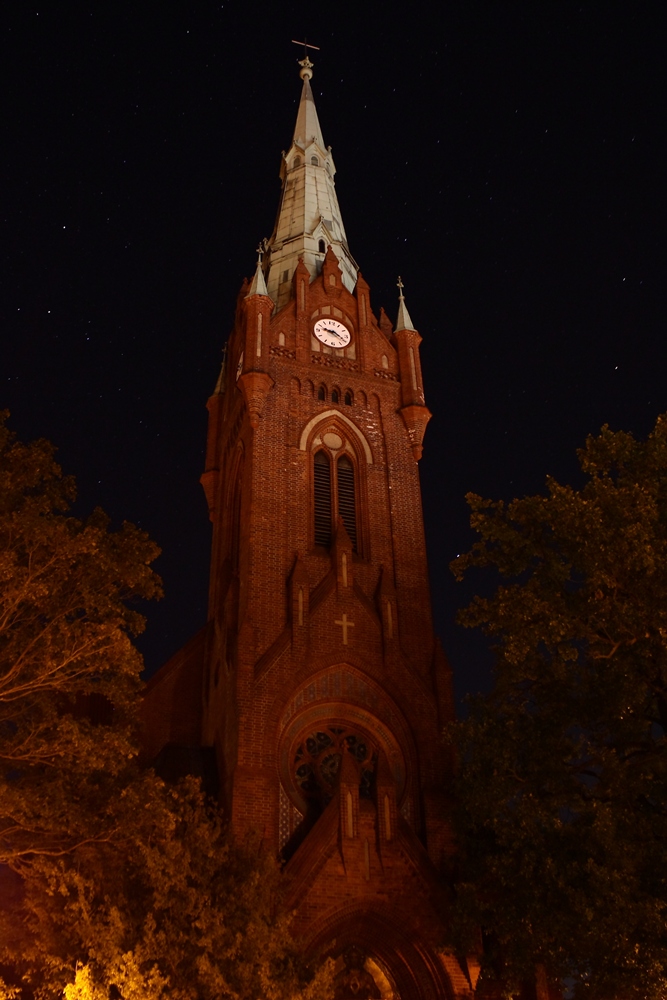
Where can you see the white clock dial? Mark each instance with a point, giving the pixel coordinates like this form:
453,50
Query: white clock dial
332,333
239,367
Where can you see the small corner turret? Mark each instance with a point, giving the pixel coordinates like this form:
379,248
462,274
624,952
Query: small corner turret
415,414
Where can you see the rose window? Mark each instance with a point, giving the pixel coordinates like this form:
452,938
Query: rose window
317,760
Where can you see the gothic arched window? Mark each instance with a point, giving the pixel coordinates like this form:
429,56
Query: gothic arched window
315,162
348,398
334,396
297,161
321,246
347,507
334,496
321,393
322,498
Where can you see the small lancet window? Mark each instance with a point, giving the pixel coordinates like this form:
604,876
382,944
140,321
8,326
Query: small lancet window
322,497
334,396
348,399
347,509
315,162
297,161
321,393
321,247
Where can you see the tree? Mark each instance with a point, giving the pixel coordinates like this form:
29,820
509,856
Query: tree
69,673
563,777
67,663
172,909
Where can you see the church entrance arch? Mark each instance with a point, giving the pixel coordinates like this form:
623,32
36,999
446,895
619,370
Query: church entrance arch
377,953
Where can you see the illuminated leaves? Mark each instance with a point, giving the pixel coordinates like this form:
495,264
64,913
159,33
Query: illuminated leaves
67,663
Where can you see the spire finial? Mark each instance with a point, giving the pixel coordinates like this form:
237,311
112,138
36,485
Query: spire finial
306,72
400,286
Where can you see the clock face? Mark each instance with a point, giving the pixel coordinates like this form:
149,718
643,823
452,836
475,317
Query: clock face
332,333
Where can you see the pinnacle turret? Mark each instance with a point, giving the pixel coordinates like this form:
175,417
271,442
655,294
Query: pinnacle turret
258,286
403,321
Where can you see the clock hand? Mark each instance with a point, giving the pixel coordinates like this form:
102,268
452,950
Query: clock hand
335,333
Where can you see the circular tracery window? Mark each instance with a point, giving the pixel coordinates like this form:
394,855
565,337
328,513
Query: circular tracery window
317,760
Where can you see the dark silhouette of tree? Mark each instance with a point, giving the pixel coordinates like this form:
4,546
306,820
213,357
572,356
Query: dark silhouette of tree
563,777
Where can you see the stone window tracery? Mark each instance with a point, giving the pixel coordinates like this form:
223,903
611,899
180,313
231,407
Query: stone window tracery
317,762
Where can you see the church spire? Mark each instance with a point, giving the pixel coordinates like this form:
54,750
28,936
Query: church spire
309,219
307,127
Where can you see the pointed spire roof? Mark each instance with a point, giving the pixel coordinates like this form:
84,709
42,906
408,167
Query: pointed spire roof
307,128
403,321
258,286
309,219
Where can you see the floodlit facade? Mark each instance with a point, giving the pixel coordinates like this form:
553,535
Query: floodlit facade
317,693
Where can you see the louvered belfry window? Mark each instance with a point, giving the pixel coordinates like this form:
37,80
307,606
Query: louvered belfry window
322,470
346,500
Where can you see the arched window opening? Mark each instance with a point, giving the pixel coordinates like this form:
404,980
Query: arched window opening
334,396
348,398
297,161
322,505
322,247
321,393
346,498
315,162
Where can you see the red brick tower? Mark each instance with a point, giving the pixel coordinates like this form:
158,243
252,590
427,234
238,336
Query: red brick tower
318,681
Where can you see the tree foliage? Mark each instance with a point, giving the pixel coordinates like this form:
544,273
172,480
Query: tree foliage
563,779
66,621
172,909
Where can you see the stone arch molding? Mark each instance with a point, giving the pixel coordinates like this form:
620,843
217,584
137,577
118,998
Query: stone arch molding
343,695
327,415
388,934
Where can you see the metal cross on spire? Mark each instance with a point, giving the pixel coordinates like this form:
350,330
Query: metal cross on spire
400,286
306,46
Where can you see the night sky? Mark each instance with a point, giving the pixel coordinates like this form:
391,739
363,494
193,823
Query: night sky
506,159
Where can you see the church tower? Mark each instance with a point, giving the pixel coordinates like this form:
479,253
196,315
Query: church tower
317,684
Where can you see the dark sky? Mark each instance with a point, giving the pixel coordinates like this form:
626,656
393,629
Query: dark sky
506,159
